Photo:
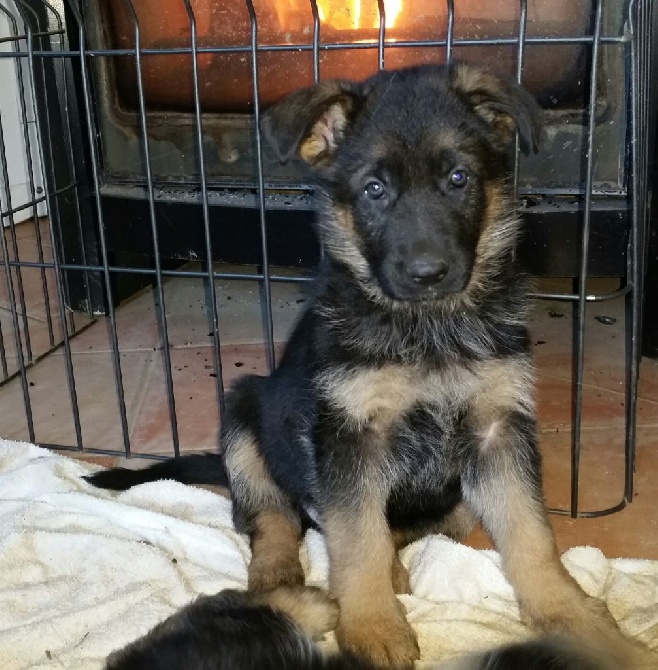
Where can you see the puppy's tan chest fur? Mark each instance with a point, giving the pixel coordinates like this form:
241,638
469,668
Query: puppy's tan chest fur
378,397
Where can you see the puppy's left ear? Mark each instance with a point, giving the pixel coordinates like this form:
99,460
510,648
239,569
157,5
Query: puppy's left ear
501,102
312,122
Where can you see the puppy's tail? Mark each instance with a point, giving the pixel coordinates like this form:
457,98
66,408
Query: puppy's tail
206,469
242,404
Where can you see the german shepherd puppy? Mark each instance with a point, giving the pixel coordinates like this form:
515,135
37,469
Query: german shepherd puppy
403,404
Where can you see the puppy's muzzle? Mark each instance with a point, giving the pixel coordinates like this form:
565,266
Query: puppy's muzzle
426,270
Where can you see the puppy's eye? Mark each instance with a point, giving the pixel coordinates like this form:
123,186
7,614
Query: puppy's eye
459,178
374,189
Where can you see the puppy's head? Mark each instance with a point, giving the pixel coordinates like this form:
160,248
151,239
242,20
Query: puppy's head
414,166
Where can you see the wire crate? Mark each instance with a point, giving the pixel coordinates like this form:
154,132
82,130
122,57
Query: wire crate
124,183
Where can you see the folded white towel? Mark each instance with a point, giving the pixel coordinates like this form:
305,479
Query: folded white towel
84,571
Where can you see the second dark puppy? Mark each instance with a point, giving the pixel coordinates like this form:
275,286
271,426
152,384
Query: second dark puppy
403,403
235,630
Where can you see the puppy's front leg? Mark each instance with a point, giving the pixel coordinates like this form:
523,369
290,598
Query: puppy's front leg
355,491
502,484
371,623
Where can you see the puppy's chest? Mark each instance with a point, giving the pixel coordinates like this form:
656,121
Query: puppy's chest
378,397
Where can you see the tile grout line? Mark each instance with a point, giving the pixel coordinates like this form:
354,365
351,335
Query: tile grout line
602,388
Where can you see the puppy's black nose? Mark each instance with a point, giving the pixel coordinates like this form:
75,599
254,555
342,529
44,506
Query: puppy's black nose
427,270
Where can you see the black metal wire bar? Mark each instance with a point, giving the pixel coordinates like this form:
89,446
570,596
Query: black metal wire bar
74,173
57,229
161,309
20,208
103,452
3,355
520,59
589,514
267,290
382,34
579,343
590,297
316,64
245,276
316,41
648,63
639,24
329,46
22,368
53,210
43,141
451,30
14,240
95,166
44,354
634,137
241,186
38,200
240,276
18,38
14,246
30,169
209,275
27,403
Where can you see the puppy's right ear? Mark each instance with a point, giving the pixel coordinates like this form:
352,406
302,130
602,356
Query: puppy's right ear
312,122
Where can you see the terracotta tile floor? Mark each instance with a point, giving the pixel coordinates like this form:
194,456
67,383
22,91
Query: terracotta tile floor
631,532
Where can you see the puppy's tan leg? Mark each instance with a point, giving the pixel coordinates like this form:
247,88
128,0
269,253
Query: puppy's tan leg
458,524
401,538
502,485
549,598
275,552
371,624
400,576
262,510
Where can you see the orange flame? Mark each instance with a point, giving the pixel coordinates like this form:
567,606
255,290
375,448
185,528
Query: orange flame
345,14
355,14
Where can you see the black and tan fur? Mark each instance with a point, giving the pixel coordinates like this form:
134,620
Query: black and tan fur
275,630
403,404
235,630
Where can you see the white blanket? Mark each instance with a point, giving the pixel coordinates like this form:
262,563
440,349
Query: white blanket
84,571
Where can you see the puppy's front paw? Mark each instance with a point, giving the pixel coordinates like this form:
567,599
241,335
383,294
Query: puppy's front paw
386,641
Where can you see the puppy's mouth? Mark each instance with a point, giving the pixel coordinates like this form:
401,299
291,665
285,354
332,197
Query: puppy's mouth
431,294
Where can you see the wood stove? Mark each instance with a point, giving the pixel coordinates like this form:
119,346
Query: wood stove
547,43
